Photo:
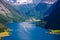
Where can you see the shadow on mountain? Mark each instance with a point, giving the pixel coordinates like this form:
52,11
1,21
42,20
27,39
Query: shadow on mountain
53,20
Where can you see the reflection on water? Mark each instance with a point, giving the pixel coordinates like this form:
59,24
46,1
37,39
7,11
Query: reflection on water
28,31
27,26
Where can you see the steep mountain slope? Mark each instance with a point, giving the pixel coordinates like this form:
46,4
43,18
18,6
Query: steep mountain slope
3,13
53,20
9,14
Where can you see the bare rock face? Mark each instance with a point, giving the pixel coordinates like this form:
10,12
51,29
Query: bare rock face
3,10
7,13
3,14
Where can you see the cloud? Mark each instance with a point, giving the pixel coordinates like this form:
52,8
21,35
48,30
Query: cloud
49,1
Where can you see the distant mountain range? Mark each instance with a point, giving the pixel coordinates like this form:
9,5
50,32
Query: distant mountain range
39,11
23,12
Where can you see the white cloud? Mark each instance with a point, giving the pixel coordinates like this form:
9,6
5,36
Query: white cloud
19,2
49,1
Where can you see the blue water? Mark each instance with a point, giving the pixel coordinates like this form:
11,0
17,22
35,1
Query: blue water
28,31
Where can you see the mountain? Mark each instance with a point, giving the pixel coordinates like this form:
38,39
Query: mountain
23,12
39,11
53,20
8,14
3,13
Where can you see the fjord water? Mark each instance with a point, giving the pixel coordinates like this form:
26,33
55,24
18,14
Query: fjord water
29,31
